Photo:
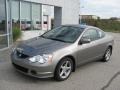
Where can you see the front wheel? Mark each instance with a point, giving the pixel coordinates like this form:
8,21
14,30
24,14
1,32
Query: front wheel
63,69
107,55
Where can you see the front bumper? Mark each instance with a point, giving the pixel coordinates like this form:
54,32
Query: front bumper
32,69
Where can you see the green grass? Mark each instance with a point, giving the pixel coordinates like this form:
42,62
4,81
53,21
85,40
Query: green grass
110,30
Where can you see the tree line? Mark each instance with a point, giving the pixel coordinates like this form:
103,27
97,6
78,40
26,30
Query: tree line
105,24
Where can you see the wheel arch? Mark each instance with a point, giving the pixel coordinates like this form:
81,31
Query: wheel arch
72,58
74,62
110,46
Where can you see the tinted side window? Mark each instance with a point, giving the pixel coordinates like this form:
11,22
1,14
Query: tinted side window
91,34
86,35
101,34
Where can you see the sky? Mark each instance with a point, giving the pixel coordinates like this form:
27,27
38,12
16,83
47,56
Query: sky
102,8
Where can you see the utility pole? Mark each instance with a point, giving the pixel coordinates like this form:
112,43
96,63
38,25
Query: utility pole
81,6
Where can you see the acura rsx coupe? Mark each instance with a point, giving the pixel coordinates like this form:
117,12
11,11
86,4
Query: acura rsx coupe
58,52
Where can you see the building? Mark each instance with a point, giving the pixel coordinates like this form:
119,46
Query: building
89,17
28,15
115,19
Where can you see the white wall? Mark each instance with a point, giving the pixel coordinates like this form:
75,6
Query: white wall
70,9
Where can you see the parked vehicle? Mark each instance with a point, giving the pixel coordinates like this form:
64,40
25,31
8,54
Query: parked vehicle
25,25
58,52
37,25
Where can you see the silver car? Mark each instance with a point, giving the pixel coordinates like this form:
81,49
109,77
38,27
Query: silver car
58,52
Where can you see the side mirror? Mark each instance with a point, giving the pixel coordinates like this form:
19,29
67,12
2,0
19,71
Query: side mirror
84,41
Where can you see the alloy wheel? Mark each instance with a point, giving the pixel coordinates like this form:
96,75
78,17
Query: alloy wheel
65,69
108,54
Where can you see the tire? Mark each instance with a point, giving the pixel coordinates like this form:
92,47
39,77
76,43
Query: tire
107,55
63,69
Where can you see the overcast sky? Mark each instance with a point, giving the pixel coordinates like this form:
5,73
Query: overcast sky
102,8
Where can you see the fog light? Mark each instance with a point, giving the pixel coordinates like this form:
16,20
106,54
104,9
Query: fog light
33,72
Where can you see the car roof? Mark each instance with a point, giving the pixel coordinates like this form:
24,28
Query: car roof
80,26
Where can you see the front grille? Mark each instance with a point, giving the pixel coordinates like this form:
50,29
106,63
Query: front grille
21,55
25,70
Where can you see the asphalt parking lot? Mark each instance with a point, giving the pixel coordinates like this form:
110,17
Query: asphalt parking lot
92,76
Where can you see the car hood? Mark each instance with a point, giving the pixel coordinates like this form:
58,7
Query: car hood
38,46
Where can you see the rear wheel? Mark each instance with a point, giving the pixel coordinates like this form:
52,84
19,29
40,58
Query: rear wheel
107,55
63,69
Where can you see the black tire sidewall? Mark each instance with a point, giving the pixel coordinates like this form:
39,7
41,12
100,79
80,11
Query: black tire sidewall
104,58
56,74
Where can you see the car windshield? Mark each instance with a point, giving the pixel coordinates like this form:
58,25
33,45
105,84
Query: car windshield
68,34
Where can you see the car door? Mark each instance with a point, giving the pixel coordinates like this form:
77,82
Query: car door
89,51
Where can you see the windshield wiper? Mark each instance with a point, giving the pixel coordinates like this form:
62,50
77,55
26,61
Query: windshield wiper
42,36
57,39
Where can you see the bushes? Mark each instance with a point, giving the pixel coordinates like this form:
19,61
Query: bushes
16,33
105,24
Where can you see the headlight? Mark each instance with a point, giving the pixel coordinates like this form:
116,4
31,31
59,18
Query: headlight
41,59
